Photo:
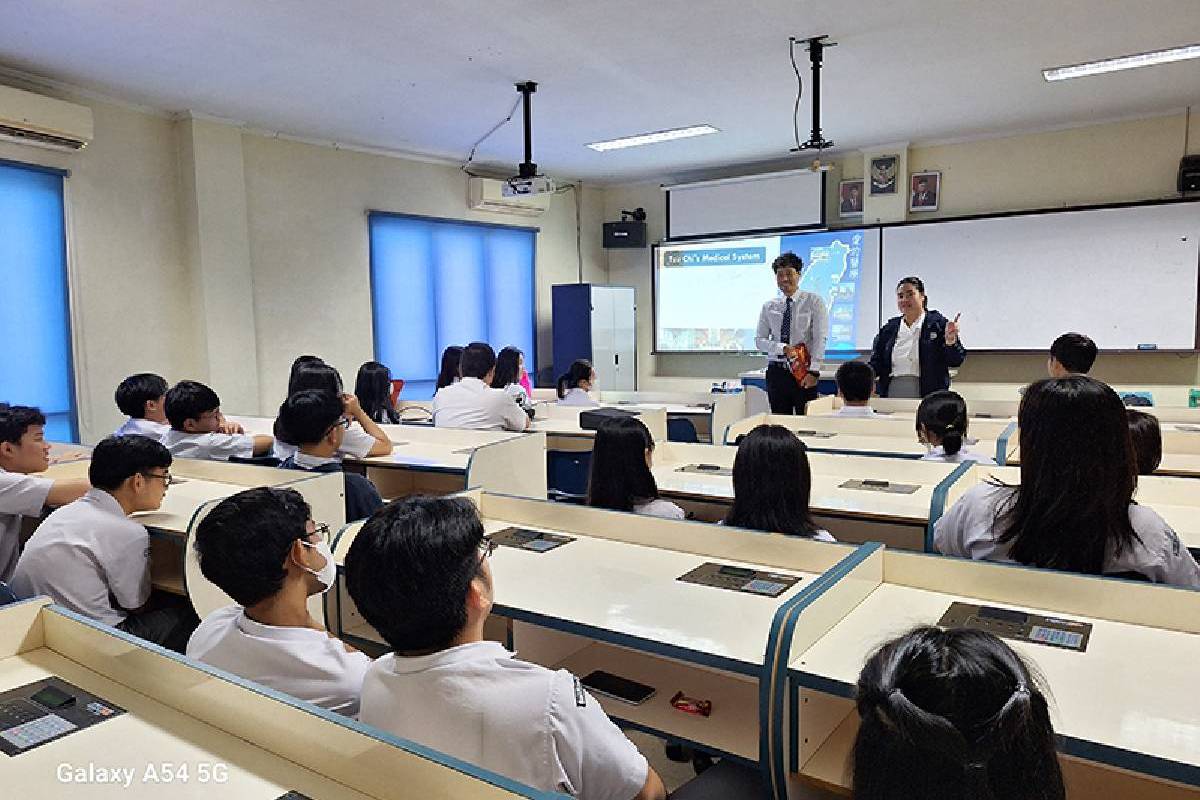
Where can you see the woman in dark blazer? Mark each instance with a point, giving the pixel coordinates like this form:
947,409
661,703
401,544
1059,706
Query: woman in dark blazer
913,352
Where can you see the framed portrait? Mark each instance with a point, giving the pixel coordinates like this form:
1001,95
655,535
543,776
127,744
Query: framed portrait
850,199
883,175
924,191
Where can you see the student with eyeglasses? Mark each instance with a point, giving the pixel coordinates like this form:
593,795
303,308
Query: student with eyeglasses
199,429
262,548
92,558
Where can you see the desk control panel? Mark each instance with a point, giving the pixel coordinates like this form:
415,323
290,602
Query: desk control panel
531,540
707,469
46,710
1018,625
869,485
740,579
807,434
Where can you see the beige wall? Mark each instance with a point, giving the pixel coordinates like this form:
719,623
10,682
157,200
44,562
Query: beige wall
1115,162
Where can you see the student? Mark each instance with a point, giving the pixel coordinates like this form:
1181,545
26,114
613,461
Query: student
373,388
1146,435
450,371
91,557
364,438
953,714
1073,509
314,419
1071,354
419,572
620,476
472,403
194,411
23,451
143,398
772,483
575,383
855,382
942,426
510,366
262,548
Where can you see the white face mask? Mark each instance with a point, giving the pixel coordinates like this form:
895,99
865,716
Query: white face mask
328,572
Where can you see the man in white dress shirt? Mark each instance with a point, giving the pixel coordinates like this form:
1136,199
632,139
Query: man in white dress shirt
785,322
143,398
472,402
419,572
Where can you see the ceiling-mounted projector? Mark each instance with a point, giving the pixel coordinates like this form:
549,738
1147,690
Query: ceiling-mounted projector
519,186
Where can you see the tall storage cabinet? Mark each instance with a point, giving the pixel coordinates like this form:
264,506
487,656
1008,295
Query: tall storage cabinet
597,323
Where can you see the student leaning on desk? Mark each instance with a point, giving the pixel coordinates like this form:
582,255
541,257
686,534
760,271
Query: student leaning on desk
472,402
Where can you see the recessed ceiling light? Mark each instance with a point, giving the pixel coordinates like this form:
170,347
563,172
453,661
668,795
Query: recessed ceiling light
1122,62
653,138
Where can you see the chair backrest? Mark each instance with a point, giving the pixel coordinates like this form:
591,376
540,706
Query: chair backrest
681,430
6,594
397,387
567,471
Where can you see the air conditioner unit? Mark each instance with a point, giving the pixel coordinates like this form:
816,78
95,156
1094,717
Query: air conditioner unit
485,194
28,118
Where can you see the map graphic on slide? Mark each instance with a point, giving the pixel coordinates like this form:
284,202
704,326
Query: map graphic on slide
709,295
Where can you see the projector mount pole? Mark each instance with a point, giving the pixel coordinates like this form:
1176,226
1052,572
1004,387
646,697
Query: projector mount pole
816,50
527,169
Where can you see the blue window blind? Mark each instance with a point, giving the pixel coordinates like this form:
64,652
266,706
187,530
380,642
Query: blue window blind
436,283
35,323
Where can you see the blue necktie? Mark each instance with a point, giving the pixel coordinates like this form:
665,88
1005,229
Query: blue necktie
785,330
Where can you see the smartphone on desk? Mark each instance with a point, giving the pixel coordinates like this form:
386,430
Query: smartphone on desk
618,688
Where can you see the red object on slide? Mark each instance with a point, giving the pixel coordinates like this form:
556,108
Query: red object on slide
799,363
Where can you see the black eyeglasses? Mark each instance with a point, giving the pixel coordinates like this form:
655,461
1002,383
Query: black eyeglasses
319,529
487,546
165,478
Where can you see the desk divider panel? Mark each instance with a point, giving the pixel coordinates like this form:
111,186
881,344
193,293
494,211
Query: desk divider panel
350,752
21,626
516,466
826,404
744,426
1180,440
727,409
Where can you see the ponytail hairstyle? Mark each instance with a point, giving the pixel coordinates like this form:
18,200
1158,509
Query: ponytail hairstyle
953,715
1146,434
580,370
619,476
919,285
942,420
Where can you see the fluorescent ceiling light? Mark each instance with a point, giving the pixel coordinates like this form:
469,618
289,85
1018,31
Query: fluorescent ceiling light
1122,62
653,138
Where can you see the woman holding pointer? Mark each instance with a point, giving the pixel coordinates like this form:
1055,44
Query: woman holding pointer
913,352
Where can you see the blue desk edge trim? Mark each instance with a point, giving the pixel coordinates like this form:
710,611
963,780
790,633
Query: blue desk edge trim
937,503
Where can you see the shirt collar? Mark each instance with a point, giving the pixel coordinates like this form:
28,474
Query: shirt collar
276,632
475,384
105,501
312,462
916,326
453,656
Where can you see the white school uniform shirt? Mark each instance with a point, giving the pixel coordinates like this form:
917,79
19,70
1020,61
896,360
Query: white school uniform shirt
531,724
964,454
810,326
90,557
577,397
143,427
819,535
471,403
356,443
210,446
906,354
20,496
302,662
859,412
968,530
658,507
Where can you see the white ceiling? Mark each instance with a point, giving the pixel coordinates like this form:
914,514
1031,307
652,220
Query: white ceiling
430,77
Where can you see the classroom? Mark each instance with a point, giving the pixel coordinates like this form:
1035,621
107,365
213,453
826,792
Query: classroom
623,401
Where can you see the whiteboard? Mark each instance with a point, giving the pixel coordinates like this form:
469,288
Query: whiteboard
1123,276
746,204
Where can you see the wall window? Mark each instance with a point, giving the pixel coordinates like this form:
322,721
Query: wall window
436,283
35,323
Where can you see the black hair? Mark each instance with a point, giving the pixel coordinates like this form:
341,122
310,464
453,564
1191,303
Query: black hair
919,285
118,458
316,375
772,483
135,391
303,361
478,359
1146,436
308,415
580,370
410,567
1078,477
788,259
373,388
856,381
944,416
243,543
508,367
188,400
15,420
451,366
1076,352
953,715
619,477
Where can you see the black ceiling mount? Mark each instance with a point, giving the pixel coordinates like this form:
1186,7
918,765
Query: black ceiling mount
816,50
527,169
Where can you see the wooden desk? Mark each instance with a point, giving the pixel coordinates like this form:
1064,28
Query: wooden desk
906,408
851,515
563,432
1126,708
235,739
710,413
1179,465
